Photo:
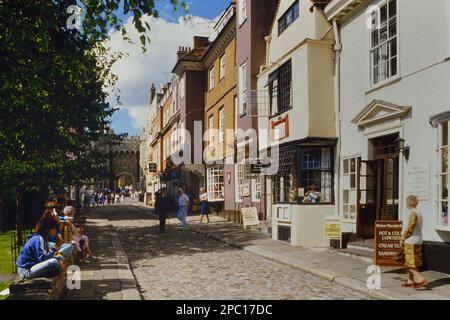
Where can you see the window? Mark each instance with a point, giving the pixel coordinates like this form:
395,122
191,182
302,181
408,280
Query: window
221,125
222,67
383,52
242,11
211,131
443,173
182,87
316,176
243,89
256,190
211,79
289,17
239,181
280,89
349,188
285,182
215,185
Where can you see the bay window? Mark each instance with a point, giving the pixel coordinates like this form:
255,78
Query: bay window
280,89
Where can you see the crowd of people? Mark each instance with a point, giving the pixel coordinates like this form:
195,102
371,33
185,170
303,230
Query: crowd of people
55,238
122,195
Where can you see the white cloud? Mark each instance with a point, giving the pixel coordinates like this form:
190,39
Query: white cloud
137,70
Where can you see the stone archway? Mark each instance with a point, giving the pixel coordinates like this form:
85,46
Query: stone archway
125,179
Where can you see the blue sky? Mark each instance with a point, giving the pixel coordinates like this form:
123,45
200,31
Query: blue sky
133,81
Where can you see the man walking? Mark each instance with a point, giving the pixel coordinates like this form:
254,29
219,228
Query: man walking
183,204
162,208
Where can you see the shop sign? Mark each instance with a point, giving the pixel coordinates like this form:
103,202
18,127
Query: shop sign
387,242
333,228
250,217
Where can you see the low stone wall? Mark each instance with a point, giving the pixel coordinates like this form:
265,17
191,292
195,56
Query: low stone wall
41,288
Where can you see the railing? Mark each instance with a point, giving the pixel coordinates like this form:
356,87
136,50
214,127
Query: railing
16,247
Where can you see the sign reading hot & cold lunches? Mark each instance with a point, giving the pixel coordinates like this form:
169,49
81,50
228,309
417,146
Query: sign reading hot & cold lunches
387,242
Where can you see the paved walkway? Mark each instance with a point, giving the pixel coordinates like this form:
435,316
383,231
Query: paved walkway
324,263
109,278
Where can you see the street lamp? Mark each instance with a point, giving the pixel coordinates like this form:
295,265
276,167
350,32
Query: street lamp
400,146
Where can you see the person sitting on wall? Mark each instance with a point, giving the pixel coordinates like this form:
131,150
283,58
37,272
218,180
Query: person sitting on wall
78,236
36,259
312,196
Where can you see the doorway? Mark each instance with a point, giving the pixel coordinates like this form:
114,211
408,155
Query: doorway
378,186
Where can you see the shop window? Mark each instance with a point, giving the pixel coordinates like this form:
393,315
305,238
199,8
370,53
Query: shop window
316,176
349,188
443,173
215,185
285,182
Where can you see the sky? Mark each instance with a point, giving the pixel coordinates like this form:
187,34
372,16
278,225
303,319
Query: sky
137,71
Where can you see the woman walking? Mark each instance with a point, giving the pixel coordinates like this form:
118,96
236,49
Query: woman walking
162,208
203,205
412,245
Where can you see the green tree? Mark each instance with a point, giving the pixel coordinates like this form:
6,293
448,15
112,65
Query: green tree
53,85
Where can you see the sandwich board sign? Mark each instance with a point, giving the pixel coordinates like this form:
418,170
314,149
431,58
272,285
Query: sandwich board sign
250,217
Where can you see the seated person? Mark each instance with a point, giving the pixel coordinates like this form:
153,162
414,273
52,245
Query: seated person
36,259
80,240
312,196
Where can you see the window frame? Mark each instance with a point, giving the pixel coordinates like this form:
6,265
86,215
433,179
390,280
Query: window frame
211,78
441,200
242,11
349,173
210,128
283,24
256,190
222,66
221,124
282,76
243,89
213,175
380,45
239,182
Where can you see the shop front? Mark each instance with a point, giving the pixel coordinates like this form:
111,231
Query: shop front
302,192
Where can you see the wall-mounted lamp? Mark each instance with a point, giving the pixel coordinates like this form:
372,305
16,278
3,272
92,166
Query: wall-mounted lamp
400,146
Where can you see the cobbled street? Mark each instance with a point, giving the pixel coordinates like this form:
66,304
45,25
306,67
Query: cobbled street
185,265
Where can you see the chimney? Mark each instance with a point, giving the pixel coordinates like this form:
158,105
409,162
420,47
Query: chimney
182,51
152,92
200,42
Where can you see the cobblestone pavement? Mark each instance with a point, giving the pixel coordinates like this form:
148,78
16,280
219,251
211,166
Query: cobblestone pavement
185,265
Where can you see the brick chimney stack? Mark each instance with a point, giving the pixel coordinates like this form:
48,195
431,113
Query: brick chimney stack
182,51
200,42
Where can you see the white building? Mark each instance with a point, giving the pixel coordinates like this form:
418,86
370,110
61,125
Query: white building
298,115
394,81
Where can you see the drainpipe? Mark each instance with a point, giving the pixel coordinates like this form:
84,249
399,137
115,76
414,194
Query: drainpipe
337,109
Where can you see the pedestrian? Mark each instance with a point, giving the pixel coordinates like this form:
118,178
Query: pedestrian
183,204
204,205
412,245
116,198
162,208
79,238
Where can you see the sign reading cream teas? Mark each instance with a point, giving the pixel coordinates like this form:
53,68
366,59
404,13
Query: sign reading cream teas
387,242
